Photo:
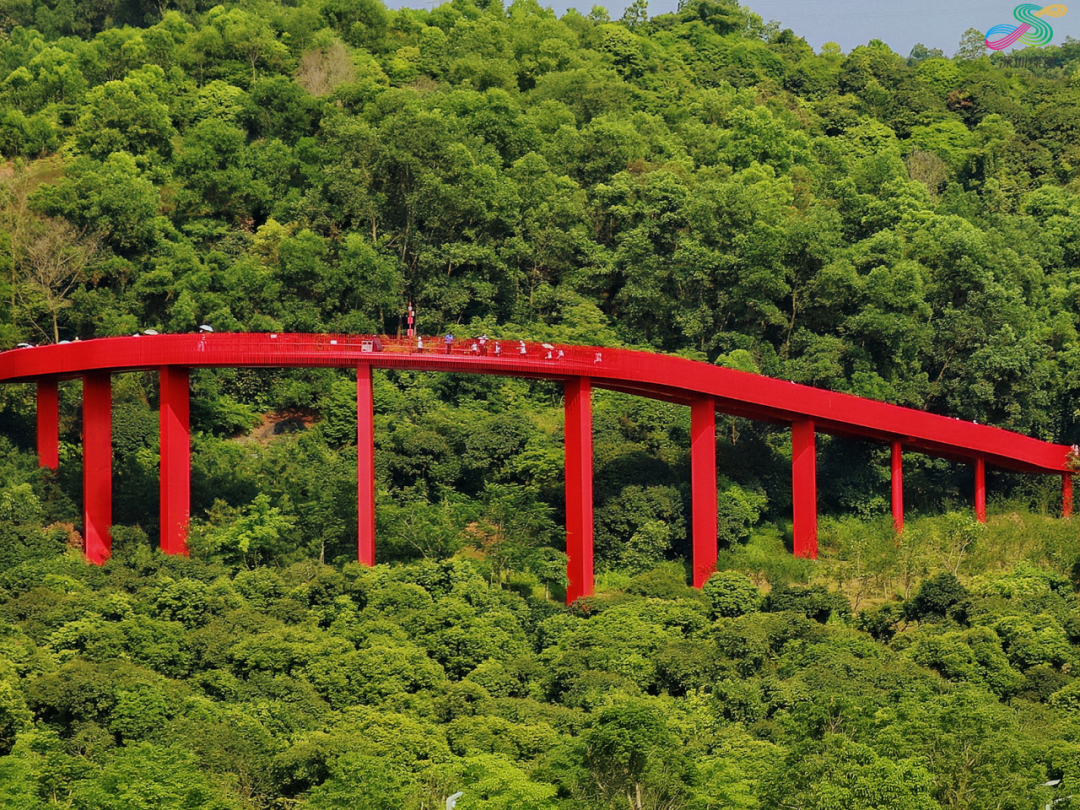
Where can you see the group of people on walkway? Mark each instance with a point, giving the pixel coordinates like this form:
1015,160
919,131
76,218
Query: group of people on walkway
479,346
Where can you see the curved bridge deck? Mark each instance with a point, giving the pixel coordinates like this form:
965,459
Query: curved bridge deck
704,387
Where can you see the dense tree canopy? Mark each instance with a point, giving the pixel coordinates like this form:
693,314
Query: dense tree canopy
163,682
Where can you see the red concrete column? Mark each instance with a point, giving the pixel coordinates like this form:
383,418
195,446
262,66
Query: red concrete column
175,458
980,490
898,486
804,489
365,466
48,423
577,395
1066,495
703,486
97,465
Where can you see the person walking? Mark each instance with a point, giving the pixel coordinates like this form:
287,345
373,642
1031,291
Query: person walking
449,341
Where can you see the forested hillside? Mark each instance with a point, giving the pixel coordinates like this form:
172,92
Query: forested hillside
903,228
166,684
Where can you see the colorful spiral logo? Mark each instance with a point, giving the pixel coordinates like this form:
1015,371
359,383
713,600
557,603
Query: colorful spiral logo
1032,29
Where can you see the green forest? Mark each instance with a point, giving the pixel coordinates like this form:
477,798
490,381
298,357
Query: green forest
703,183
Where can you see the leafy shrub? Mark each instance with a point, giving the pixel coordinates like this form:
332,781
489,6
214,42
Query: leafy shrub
731,594
939,597
815,602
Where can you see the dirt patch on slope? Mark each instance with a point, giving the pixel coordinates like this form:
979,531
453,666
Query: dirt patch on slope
275,424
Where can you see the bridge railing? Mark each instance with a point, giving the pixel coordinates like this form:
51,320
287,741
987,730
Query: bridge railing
253,347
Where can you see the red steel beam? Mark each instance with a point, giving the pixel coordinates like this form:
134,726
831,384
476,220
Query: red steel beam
579,488
703,485
175,426
97,466
980,490
1066,495
365,466
804,489
898,486
48,423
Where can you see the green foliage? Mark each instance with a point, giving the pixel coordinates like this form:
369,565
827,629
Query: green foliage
145,776
698,183
494,783
363,782
400,685
628,754
840,773
938,597
127,116
815,602
246,536
731,594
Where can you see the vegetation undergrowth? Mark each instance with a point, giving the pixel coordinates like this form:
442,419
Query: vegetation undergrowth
215,682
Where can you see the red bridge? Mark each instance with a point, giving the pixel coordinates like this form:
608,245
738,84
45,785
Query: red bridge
706,389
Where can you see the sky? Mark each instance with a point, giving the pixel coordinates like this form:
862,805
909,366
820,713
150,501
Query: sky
900,23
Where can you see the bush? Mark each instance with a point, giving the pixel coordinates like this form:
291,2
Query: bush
942,596
815,602
731,594
881,621
663,582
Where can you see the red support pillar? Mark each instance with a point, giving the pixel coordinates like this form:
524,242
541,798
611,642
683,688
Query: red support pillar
898,486
577,395
1066,494
365,466
175,458
48,423
980,490
703,485
97,465
804,489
